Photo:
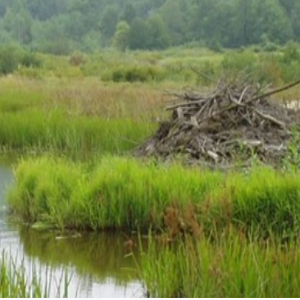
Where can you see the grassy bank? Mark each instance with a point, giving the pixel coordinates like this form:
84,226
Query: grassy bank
126,193
231,266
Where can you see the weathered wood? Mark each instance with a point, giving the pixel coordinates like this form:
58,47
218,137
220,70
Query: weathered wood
233,122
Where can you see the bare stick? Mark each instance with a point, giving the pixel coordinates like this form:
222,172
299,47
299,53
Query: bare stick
273,92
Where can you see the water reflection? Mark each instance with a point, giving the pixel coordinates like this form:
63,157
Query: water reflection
99,263
101,255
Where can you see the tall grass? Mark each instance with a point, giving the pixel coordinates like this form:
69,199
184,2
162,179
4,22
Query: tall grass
116,192
79,119
17,282
127,193
35,130
231,267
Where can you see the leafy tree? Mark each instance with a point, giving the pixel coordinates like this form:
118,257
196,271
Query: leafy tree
158,33
109,21
129,13
121,37
88,25
173,18
8,60
138,36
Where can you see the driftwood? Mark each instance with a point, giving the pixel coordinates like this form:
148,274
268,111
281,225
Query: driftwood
233,123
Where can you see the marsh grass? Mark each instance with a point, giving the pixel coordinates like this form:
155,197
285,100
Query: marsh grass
18,282
231,266
79,120
77,136
125,193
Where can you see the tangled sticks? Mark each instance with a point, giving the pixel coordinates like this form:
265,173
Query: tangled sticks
235,122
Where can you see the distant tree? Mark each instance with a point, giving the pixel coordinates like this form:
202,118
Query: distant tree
270,20
158,33
138,36
129,13
296,21
121,37
17,21
173,18
93,41
109,21
225,23
75,26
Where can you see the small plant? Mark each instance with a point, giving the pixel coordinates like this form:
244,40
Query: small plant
77,59
14,282
292,160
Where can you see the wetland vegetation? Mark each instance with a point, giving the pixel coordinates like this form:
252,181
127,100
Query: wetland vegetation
75,135
73,121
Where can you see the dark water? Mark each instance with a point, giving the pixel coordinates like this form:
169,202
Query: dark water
97,265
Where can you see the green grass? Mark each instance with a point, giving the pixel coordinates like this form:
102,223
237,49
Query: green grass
127,193
231,266
15,282
35,130
114,193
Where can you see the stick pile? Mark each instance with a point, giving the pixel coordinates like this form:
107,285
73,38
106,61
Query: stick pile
234,123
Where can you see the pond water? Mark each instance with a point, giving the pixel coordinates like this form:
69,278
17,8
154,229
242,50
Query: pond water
97,264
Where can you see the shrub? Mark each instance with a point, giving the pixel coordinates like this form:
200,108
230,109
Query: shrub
8,60
235,62
30,60
77,59
133,74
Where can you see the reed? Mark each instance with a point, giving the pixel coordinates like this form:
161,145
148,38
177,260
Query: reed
17,281
116,192
231,266
56,131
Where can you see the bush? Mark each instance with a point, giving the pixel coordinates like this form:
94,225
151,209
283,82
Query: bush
291,53
77,59
235,62
11,58
133,74
8,60
30,60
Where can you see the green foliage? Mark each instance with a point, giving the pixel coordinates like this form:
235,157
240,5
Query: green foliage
77,59
229,266
8,60
134,74
30,60
67,26
115,193
120,40
12,57
291,53
77,136
239,61
126,193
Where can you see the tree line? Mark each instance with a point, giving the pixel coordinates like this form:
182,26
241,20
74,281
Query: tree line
63,26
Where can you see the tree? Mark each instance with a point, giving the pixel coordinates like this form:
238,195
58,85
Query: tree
121,37
271,21
109,21
138,36
129,13
17,22
158,33
173,18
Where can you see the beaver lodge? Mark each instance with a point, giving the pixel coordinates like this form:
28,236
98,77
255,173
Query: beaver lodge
235,123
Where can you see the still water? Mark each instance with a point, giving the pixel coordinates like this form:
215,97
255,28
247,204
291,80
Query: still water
97,264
